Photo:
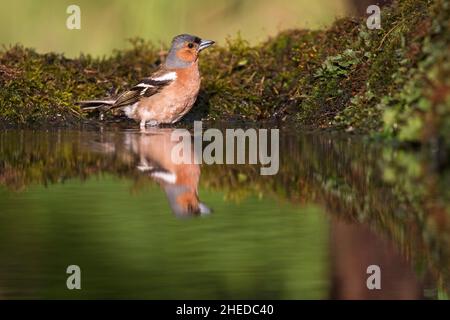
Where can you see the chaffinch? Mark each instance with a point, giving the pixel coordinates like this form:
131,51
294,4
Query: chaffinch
169,93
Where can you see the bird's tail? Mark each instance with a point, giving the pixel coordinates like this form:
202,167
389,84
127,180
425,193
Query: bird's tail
96,104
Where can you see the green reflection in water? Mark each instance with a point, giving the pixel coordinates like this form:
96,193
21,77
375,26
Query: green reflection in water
131,246
268,236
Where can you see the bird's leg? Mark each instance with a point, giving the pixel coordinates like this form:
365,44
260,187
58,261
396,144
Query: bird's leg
142,125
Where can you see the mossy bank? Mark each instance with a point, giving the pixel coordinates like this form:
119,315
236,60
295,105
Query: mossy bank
394,81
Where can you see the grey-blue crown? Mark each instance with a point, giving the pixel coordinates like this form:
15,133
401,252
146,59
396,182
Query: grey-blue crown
182,38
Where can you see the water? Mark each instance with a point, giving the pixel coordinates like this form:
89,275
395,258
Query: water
102,200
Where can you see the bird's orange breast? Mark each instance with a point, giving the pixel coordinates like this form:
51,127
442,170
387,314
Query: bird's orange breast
175,100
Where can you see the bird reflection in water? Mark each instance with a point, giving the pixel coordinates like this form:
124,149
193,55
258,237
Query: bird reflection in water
179,181
153,149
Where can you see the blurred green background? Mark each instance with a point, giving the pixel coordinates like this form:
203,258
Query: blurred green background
105,25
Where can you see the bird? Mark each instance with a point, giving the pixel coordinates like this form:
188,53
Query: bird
169,93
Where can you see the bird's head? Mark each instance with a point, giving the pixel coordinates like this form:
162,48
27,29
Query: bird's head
185,50
184,201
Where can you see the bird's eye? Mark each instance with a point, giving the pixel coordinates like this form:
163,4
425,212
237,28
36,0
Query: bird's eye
190,45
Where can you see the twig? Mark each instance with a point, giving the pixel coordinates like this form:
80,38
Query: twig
388,33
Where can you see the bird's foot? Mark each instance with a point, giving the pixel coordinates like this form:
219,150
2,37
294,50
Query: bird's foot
151,123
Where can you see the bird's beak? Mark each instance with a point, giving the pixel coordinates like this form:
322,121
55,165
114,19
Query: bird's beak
205,44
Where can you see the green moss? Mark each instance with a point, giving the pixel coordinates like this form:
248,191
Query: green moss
393,81
37,88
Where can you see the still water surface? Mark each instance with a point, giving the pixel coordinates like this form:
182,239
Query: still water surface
98,199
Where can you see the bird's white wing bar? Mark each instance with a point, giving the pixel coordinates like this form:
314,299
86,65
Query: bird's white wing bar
144,87
155,83
169,76
165,176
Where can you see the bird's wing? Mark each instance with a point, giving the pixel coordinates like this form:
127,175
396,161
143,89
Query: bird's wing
146,88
